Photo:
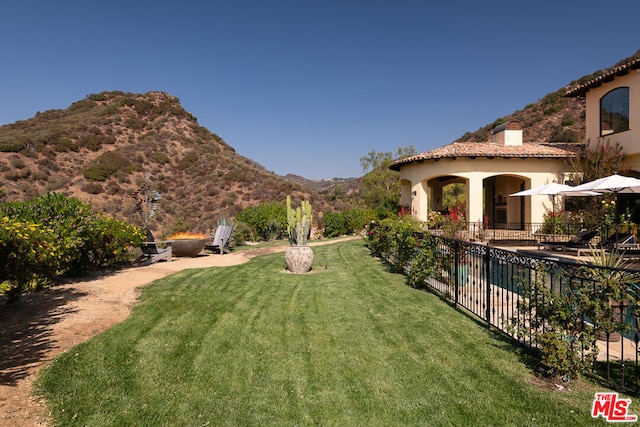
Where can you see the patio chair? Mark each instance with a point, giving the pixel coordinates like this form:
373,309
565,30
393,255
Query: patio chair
221,239
618,241
153,251
580,242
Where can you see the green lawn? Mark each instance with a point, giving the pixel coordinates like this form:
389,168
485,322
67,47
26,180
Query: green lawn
347,345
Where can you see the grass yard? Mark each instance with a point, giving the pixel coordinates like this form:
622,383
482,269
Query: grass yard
348,345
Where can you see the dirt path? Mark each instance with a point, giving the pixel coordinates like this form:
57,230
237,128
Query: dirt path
44,325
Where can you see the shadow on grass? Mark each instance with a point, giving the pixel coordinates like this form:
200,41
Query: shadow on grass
25,336
527,355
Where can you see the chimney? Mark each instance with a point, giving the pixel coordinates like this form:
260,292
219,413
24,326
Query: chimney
509,133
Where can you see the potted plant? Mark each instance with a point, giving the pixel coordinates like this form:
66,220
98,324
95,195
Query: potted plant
299,256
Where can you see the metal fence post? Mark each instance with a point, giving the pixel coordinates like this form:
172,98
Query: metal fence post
456,270
487,271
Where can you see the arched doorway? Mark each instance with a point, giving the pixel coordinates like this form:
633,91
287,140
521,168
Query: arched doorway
500,210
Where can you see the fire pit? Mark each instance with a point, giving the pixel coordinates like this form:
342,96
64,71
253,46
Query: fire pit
187,244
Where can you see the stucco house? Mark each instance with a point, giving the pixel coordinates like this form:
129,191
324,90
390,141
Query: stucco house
492,170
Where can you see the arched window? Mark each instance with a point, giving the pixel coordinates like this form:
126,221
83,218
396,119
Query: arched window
614,111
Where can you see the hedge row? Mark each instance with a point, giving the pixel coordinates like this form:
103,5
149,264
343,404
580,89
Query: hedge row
54,235
404,245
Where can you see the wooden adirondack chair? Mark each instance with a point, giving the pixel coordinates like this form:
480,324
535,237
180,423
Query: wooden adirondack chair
153,251
221,239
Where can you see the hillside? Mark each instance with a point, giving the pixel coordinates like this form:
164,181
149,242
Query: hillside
341,193
553,118
100,148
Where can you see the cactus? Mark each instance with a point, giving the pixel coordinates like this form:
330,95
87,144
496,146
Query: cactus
298,222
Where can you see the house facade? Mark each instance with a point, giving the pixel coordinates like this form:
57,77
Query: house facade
613,110
491,171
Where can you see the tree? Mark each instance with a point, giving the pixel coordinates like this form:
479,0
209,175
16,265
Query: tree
595,162
381,185
454,195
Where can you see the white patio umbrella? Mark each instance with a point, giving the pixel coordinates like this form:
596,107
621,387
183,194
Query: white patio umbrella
609,184
614,184
554,189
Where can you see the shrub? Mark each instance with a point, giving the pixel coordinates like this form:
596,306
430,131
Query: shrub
92,188
53,235
395,240
567,121
106,165
63,144
555,321
17,163
106,241
334,224
357,219
423,264
95,142
17,174
12,147
268,220
242,233
349,221
30,256
559,134
160,157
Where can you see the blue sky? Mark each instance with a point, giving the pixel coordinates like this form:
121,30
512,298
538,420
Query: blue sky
309,87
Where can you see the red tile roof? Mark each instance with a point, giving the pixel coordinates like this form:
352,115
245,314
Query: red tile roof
608,76
493,150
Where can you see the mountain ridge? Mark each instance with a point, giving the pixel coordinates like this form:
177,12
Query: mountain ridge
101,148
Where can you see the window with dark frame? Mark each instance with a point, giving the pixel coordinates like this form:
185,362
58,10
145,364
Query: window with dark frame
614,111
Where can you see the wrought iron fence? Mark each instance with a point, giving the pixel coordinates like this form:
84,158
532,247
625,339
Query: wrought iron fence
513,234
492,284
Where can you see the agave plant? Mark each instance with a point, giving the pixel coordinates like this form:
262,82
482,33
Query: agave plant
611,295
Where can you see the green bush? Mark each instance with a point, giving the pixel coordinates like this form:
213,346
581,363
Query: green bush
106,165
53,235
423,263
395,240
334,224
558,328
268,220
350,221
242,233
12,147
106,241
405,247
29,255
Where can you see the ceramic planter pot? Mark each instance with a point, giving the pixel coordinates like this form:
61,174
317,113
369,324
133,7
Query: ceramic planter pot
299,259
187,247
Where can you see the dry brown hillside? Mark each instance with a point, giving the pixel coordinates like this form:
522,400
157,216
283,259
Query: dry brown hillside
554,118
100,148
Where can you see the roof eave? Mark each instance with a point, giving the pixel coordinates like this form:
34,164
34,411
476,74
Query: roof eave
622,70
